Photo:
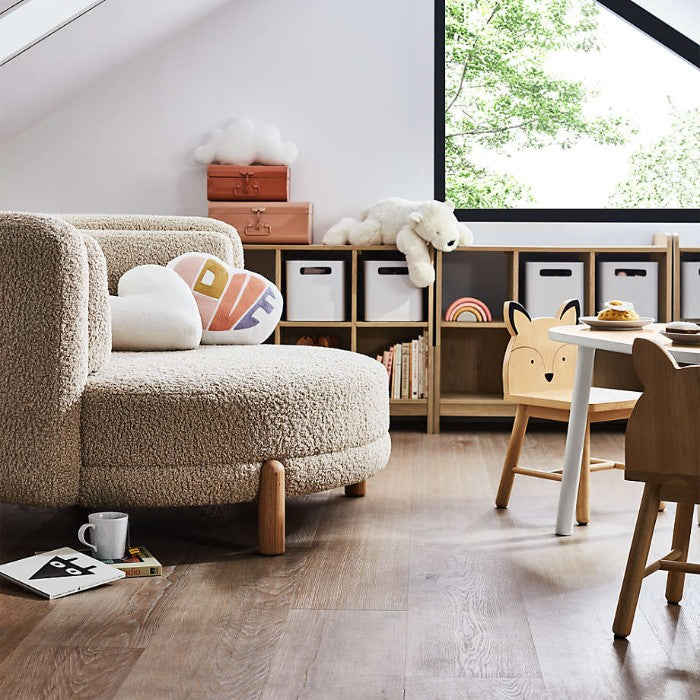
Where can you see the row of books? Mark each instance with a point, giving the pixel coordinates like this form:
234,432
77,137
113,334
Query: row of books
407,367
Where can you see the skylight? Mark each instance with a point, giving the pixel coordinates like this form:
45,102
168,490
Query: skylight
28,22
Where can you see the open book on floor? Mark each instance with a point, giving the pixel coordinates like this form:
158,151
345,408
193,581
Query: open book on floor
59,572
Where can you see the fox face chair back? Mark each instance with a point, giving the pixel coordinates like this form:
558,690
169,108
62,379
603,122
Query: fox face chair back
662,437
533,362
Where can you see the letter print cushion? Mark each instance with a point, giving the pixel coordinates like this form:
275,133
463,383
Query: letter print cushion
237,307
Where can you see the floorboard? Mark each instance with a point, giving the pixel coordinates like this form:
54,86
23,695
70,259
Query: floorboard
421,590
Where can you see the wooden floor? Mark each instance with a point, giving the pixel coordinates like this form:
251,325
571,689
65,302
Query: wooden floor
420,590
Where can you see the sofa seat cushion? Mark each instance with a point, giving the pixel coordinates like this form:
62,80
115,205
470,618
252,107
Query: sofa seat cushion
193,427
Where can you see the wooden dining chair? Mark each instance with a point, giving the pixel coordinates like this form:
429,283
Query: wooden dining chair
538,376
662,449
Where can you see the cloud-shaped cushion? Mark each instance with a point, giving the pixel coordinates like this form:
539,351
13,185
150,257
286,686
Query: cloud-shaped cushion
242,142
154,310
237,307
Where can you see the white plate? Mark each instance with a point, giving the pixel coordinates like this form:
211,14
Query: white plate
597,324
683,338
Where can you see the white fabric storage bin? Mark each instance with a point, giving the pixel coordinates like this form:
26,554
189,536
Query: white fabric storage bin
389,294
690,290
548,284
633,281
315,290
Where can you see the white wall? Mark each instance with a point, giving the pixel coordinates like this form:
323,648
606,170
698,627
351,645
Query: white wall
351,82
61,65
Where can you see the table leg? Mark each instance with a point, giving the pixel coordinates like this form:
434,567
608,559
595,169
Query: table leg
574,440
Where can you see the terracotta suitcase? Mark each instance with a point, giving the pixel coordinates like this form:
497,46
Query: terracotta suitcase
230,183
266,222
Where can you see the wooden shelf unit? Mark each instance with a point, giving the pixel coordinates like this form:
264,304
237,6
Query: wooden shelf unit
466,358
355,334
681,254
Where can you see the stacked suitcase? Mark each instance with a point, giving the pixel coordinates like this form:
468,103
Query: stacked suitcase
254,199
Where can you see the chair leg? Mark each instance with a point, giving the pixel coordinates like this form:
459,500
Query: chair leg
636,562
583,500
512,457
681,538
271,508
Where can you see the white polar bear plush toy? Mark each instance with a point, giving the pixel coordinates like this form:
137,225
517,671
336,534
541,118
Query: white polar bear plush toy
411,226
243,142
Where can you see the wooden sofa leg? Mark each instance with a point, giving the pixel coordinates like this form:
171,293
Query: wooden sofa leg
359,489
271,508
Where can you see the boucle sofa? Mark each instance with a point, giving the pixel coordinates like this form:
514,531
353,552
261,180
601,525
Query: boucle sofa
219,424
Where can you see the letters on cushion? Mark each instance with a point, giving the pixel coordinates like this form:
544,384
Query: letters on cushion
154,310
237,307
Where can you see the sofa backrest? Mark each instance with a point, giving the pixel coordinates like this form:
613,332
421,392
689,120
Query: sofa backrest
153,223
124,250
44,293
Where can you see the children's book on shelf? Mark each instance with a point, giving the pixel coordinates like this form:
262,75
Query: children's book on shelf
407,367
59,572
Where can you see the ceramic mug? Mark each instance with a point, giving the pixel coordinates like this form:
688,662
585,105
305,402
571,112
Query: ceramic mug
109,533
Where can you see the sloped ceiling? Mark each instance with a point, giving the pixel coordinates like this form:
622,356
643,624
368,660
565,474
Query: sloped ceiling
50,73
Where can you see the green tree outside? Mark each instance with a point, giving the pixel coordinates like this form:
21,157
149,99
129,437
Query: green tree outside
665,174
500,92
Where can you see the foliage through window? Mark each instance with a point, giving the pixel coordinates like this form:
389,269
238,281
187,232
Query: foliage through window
561,104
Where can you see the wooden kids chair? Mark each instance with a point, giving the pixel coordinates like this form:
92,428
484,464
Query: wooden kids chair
538,376
662,449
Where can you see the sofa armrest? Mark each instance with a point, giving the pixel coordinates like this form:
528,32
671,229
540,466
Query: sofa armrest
148,222
43,358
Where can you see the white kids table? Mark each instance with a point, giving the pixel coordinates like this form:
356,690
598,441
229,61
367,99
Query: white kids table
589,341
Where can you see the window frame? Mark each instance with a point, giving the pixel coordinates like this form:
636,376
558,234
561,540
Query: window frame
651,25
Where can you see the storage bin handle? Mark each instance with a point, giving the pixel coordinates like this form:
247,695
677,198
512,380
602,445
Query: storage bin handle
392,270
630,272
317,270
556,272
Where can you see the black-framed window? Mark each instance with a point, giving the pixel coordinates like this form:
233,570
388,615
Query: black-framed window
565,110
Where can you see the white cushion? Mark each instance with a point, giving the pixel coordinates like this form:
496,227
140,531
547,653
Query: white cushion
154,310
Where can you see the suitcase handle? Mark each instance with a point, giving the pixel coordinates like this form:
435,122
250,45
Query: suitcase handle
254,229
244,188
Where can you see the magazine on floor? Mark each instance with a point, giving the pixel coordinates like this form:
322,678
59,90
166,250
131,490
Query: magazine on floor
59,572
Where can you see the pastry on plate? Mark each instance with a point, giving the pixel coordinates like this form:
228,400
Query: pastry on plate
618,311
683,327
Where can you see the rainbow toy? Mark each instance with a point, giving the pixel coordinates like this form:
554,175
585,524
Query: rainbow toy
468,309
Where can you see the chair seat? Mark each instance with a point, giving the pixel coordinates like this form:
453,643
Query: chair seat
198,423
601,399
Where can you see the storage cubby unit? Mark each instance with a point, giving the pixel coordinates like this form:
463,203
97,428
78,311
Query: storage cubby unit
355,334
468,355
341,335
